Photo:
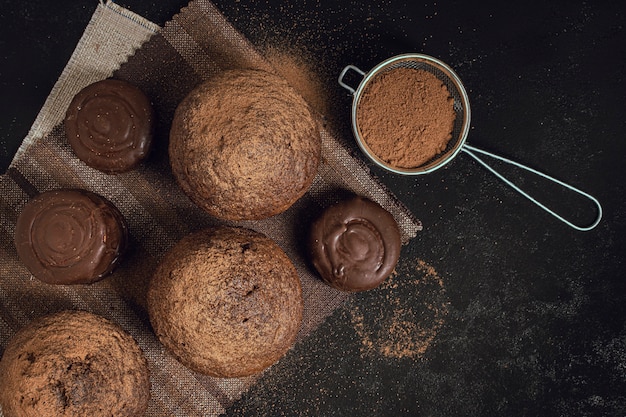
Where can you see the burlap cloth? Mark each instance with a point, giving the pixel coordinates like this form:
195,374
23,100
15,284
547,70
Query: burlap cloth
166,63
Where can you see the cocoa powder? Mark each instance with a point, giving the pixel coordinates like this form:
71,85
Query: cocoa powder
296,67
405,116
411,308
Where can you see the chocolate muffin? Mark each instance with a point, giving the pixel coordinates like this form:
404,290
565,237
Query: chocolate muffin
73,363
70,236
355,244
244,145
109,125
226,302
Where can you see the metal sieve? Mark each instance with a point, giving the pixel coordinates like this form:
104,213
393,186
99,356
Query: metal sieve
459,132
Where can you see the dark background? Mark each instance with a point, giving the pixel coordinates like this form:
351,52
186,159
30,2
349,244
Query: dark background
536,321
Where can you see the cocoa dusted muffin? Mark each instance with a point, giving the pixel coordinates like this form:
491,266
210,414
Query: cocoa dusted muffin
226,302
244,145
73,363
70,236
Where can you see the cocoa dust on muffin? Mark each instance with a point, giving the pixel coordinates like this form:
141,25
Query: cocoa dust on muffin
226,302
244,145
73,363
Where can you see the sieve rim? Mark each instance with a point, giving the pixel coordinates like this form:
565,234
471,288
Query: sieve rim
441,159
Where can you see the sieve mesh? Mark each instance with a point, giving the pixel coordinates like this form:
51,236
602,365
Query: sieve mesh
457,92
459,132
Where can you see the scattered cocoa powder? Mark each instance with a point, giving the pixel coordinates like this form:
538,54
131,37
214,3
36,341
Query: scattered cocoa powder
405,116
296,67
403,326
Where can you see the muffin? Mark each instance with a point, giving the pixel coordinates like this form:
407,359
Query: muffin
73,363
355,244
70,236
226,302
244,145
109,125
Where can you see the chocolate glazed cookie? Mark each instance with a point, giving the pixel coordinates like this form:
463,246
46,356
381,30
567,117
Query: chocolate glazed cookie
70,236
109,125
355,244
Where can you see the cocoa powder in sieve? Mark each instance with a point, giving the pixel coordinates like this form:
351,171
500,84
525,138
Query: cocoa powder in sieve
405,116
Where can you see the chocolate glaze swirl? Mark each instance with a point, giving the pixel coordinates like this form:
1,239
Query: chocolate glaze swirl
70,236
355,244
109,125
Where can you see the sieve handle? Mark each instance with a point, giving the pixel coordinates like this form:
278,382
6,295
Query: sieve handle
343,74
472,151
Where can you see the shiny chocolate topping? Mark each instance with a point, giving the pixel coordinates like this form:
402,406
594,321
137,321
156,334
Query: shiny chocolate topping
355,244
109,125
70,236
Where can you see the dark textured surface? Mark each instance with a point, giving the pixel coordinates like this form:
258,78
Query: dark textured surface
535,322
